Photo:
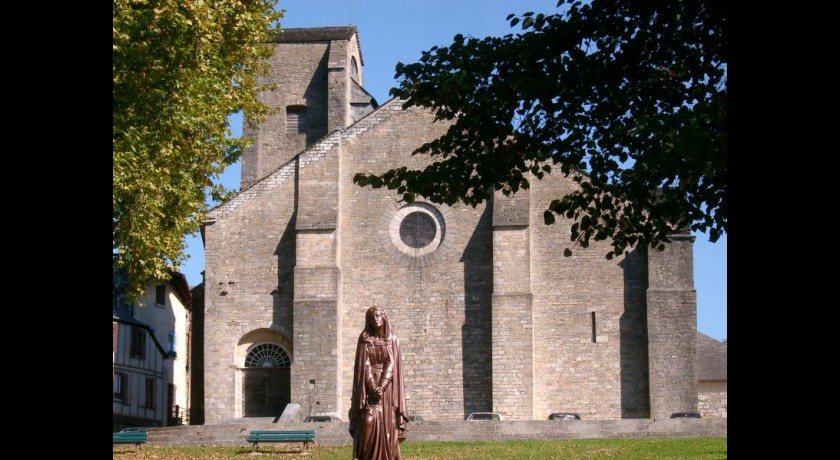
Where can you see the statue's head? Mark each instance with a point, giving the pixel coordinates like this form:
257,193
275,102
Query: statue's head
375,318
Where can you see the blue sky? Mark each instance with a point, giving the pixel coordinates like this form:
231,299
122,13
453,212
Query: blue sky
394,31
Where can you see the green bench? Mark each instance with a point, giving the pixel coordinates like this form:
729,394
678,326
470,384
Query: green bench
131,437
305,436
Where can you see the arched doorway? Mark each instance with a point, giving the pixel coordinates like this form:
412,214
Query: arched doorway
266,387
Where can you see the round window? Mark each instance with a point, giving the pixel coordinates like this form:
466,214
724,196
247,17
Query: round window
417,229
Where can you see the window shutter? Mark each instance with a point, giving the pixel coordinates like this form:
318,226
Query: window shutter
296,120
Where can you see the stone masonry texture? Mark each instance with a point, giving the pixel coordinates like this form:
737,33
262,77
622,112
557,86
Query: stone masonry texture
492,317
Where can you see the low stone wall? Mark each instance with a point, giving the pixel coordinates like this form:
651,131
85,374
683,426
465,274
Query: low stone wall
235,433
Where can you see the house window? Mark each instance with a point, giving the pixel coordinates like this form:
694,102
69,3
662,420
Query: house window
150,394
160,295
171,345
296,119
138,343
594,331
121,387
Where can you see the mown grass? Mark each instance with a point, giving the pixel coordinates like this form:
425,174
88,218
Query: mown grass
573,449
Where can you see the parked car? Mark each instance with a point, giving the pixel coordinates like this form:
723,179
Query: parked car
564,416
415,418
685,415
484,416
321,418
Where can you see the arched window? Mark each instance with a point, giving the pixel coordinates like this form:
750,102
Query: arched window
267,355
266,381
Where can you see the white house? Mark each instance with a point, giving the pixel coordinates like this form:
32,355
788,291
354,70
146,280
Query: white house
151,354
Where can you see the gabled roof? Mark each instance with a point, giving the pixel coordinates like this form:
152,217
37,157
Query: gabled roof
314,153
178,280
711,358
182,288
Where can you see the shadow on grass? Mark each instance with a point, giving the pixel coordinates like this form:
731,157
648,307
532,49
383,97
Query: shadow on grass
286,449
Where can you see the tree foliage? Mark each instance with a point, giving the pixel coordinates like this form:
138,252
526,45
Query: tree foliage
180,69
630,93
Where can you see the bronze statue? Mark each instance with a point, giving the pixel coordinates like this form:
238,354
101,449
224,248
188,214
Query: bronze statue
378,414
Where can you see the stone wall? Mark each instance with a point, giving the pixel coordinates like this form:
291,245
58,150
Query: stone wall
331,434
249,258
712,404
593,366
300,70
672,329
439,305
444,306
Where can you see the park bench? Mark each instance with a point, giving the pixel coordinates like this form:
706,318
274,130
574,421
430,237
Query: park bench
305,436
131,437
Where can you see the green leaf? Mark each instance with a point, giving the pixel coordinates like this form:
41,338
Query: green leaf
596,89
176,79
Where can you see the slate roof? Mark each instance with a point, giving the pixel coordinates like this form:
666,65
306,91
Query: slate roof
711,358
315,34
319,34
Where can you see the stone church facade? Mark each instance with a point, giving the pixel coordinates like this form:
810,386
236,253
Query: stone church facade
491,316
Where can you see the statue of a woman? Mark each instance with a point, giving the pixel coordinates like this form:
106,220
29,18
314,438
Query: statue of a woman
378,414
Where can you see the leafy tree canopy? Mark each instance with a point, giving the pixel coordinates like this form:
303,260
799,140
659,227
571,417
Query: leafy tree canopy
180,69
626,97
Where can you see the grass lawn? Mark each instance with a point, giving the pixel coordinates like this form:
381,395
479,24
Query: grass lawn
631,448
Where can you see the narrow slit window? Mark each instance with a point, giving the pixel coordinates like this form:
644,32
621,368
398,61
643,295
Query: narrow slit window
354,69
594,331
171,345
296,119
160,295
150,393
138,343
121,387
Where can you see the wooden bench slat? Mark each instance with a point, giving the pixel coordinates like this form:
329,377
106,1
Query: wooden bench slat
257,436
131,437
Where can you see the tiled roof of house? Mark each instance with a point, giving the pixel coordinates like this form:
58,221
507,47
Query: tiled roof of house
711,358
